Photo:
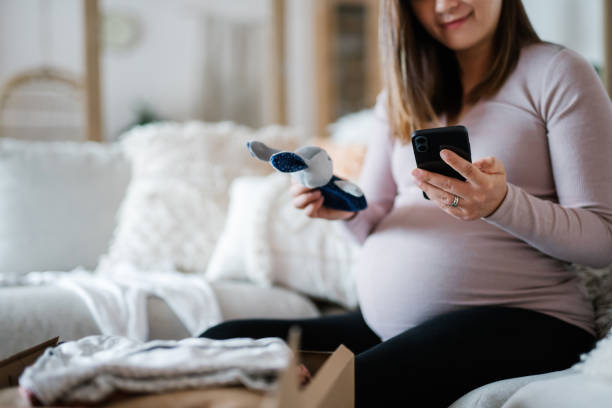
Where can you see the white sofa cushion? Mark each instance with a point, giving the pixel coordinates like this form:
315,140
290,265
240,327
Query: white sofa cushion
268,241
58,203
177,200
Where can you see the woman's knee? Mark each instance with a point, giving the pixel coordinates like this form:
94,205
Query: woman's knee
224,330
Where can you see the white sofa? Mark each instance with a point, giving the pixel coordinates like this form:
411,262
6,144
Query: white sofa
65,205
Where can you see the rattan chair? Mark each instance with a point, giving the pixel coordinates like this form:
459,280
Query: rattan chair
43,104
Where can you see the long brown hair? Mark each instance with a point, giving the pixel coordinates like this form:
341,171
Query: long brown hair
421,76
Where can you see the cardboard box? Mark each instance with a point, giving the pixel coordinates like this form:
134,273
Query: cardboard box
332,386
333,383
12,367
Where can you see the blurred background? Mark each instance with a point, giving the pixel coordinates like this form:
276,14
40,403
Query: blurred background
94,68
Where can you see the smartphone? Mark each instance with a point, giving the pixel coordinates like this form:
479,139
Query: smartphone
427,144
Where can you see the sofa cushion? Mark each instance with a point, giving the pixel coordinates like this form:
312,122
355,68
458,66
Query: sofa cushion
240,300
58,203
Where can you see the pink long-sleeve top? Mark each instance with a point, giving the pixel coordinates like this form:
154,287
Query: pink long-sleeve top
550,124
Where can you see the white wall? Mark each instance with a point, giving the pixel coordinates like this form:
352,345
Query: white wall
27,40
164,67
577,24
158,70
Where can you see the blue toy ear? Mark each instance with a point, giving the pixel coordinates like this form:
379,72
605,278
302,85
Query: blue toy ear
288,162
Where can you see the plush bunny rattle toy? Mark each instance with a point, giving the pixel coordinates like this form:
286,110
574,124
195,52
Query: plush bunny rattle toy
312,167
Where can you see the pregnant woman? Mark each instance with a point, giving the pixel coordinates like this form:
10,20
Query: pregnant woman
472,286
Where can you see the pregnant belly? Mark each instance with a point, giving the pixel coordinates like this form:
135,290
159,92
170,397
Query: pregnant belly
417,265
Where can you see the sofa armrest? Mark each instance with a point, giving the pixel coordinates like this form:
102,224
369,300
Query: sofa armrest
495,395
570,391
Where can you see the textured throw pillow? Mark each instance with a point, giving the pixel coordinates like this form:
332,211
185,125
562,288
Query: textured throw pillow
268,241
58,203
177,201
598,285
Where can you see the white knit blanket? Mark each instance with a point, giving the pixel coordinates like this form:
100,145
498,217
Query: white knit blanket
118,300
93,368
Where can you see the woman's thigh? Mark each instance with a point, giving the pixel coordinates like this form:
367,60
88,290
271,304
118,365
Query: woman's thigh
436,362
324,333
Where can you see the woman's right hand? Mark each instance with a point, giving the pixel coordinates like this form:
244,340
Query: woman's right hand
311,201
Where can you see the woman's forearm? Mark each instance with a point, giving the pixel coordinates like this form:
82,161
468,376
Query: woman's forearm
581,235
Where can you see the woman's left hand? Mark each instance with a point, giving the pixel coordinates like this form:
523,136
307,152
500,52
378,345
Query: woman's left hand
479,195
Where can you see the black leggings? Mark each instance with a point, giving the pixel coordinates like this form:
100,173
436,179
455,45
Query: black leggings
435,363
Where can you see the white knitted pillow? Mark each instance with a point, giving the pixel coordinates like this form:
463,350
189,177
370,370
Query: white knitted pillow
176,203
268,241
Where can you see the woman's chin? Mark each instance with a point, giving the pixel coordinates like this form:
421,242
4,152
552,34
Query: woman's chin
460,43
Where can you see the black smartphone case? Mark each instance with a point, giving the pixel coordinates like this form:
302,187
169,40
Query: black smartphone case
428,143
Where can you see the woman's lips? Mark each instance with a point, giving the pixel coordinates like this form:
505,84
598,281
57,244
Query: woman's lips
456,23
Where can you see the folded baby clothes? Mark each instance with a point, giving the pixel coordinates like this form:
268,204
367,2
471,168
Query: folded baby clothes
91,369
